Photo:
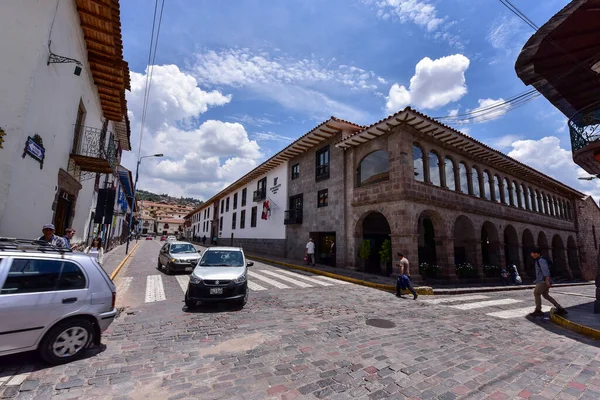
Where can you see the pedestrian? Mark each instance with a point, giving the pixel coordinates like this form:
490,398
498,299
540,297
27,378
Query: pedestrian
403,281
95,250
514,273
50,238
214,240
203,240
543,282
310,252
69,232
332,253
504,275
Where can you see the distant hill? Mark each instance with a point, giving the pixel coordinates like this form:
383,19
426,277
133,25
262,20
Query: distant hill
149,196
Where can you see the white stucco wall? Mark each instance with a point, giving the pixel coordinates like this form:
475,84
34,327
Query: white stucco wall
273,228
198,221
40,99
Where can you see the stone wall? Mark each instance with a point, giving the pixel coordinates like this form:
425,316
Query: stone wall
588,236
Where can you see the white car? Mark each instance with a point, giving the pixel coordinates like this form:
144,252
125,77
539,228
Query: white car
171,238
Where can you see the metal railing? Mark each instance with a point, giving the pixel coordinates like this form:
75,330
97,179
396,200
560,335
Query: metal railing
95,143
259,195
293,216
584,127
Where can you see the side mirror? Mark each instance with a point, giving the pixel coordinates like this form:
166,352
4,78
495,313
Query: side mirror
249,264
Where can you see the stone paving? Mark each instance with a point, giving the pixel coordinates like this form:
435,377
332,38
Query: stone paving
315,343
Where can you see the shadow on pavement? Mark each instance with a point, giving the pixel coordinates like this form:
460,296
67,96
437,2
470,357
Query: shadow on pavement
32,359
547,324
213,308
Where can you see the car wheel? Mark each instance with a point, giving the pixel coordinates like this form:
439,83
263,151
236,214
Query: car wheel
66,341
168,270
189,303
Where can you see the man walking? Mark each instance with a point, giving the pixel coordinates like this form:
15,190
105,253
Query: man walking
403,281
50,238
310,252
69,232
543,283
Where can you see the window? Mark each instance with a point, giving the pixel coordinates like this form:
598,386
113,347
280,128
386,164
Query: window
506,191
322,198
463,178
593,233
475,182
373,168
449,171
487,185
275,181
208,214
524,198
532,200
418,163
515,194
227,204
542,203
434,169
261,190
233,218
220,223
235,201
294,214
295,171
244,191
222,206
79,121
253,217
497,195
31,276
242,219
322,164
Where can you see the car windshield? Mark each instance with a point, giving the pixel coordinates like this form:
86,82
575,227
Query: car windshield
222,258
182,248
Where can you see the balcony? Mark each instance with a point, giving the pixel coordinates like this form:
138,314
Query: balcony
94,150
259,195
292,217
322,172
584,128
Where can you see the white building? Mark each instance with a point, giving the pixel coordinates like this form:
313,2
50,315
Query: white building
62,113
202,221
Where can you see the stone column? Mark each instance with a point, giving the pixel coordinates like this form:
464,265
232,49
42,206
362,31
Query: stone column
445,255
478,258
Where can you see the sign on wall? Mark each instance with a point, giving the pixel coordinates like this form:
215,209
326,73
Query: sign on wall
276,186
34,146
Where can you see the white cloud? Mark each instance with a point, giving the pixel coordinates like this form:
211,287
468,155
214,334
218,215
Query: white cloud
251,120
503,31
488,110
505,141
416,11
435,84
270,136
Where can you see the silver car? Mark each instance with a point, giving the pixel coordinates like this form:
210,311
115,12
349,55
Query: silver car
221,275
51,300
177,257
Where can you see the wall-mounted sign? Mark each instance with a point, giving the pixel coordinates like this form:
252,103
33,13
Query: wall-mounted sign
34,146
2,134
275,187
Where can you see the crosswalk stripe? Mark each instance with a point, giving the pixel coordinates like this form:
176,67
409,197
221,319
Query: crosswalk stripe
255,286
155,290
456,298
286,278
183,281
124,284
482,304
268,280
338,281
518,312
306,278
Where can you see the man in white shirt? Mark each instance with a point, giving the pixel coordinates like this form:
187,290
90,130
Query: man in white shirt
310,252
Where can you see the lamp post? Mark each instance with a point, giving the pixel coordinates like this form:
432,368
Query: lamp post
137,170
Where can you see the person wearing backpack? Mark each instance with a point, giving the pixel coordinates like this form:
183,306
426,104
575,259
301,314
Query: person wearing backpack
543,282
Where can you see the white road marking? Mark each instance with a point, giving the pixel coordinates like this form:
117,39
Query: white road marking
456,298
286,279
5,375
306,278
21,376
488,303
155,290
518,312
183,281
124,284
268,280
255,286
338,281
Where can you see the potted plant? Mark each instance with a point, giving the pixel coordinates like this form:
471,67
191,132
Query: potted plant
465,270
365,252
385,254
429,270
491,271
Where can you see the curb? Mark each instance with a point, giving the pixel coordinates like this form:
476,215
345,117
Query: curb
116,271
423,290
573,326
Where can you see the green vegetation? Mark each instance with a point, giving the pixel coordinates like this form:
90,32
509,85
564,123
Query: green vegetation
149,196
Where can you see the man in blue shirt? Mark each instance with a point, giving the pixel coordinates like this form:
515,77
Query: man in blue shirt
543,282
69,232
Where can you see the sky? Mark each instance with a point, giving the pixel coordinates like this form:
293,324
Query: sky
234,82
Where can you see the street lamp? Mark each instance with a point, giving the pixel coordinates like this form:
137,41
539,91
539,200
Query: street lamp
137,170
588,178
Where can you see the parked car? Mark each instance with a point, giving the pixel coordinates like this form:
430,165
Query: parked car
177,257
221,275
171,238
149,237
163,238
53,300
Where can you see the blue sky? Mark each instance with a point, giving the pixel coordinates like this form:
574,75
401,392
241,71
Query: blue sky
235,81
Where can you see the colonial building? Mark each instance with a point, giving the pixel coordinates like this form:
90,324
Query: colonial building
63,118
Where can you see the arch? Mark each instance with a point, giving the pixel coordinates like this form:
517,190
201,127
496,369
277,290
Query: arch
497,191
475,182
538,196
523,197
375,229
511,246
373,168
465,249
429,227
573,258
434,168
532,199
418,163
542,243
559,258
515,194
487,185
463,177
490,249
450,174
507,190
528,244
569,214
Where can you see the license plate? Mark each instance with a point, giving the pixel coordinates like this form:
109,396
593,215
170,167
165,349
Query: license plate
217,290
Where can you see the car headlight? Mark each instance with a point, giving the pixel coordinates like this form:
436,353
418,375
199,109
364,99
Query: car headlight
240,279
194,279
175,260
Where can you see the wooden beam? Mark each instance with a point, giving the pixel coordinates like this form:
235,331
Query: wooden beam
103,82
391,126
93,15
409,120
382,130
444,136
98,29
321,135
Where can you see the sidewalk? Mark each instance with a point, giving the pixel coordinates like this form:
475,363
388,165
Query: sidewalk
113,258
580,319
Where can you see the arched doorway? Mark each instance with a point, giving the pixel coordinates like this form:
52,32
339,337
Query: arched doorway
511,247
542,243
528,245
490,251
573,259
464,241
559,258
376,230
427,247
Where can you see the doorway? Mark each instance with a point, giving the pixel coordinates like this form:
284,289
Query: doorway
62,216
323,242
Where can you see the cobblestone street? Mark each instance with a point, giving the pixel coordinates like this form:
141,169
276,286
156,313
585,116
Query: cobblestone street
304,336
